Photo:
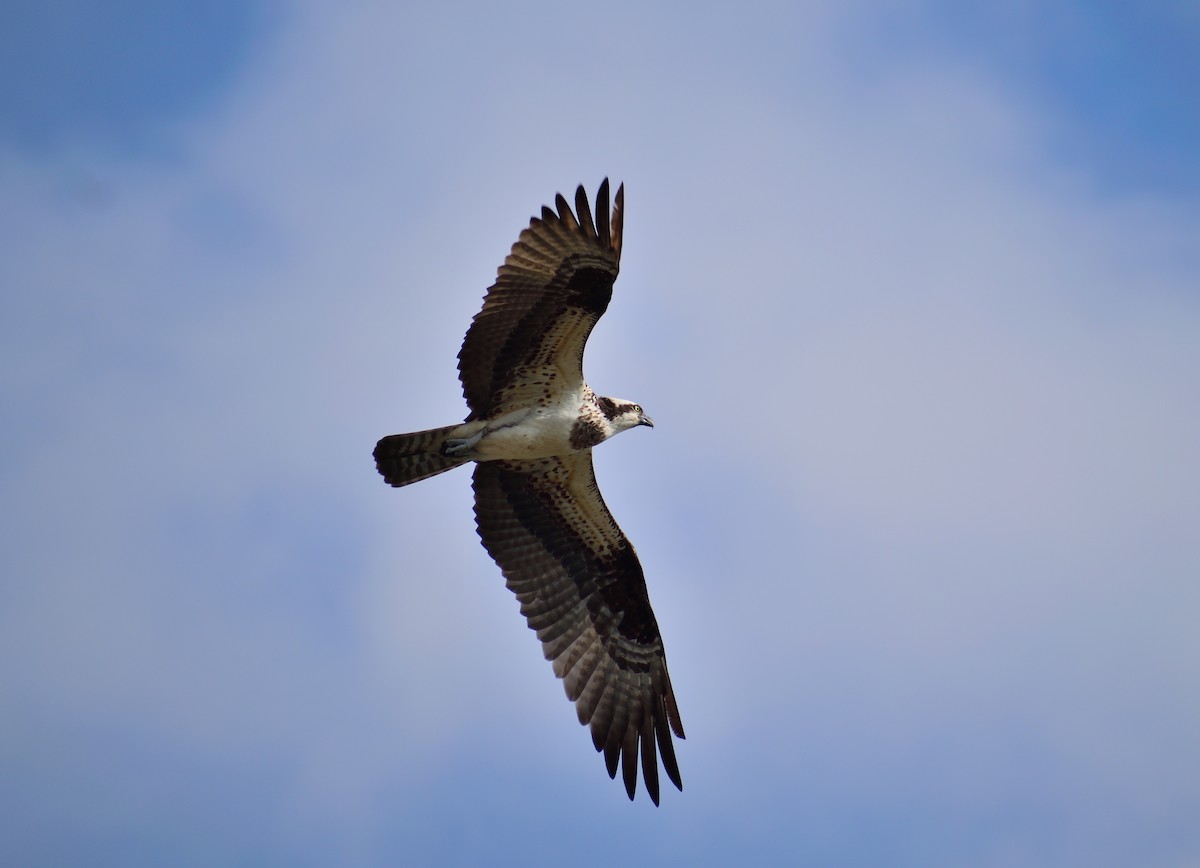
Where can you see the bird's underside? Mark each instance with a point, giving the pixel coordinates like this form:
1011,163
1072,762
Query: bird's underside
532,424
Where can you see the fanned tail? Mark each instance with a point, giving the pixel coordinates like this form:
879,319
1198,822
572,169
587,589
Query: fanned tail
403,459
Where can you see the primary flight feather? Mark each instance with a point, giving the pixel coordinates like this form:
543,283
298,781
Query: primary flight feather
532,424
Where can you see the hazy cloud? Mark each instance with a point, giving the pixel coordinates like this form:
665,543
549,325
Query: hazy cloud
917,517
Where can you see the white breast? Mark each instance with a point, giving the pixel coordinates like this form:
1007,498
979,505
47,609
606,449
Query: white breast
536,432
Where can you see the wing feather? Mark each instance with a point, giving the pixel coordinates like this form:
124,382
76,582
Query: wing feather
564,211
629,748
552,288
585,214
603,230
593,690
649,756
581,587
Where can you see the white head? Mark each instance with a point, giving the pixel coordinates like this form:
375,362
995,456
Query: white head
623,415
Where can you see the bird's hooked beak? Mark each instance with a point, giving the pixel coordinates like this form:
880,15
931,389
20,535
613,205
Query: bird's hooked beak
646,420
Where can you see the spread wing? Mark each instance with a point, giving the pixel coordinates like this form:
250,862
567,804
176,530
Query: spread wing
554,285
581,589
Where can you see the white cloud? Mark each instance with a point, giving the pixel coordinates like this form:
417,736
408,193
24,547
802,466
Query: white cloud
918,507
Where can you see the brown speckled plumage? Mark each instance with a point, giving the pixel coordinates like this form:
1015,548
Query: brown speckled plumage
542,519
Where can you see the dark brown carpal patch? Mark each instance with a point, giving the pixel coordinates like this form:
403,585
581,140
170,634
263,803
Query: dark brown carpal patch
586,433
588,288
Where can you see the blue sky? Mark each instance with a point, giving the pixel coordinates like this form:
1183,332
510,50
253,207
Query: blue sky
909,289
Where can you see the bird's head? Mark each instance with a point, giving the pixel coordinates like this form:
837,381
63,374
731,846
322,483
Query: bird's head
624,414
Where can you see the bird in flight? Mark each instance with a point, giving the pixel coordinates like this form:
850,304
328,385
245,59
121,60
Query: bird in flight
532,424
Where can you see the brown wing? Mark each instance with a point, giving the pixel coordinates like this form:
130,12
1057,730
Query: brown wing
582,590
537,316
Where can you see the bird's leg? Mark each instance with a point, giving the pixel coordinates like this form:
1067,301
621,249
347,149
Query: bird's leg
459,447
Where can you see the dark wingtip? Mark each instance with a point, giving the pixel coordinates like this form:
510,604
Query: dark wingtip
584,212
564,212
631,788
666,752
618,220
603,228
612,756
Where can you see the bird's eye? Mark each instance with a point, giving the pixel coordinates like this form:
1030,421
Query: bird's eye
637,408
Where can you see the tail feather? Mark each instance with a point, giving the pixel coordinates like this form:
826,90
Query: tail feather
406,458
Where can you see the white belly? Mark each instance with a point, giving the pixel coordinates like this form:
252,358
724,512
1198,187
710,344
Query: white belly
538,432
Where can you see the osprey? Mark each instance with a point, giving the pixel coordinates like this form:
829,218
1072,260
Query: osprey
532,425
